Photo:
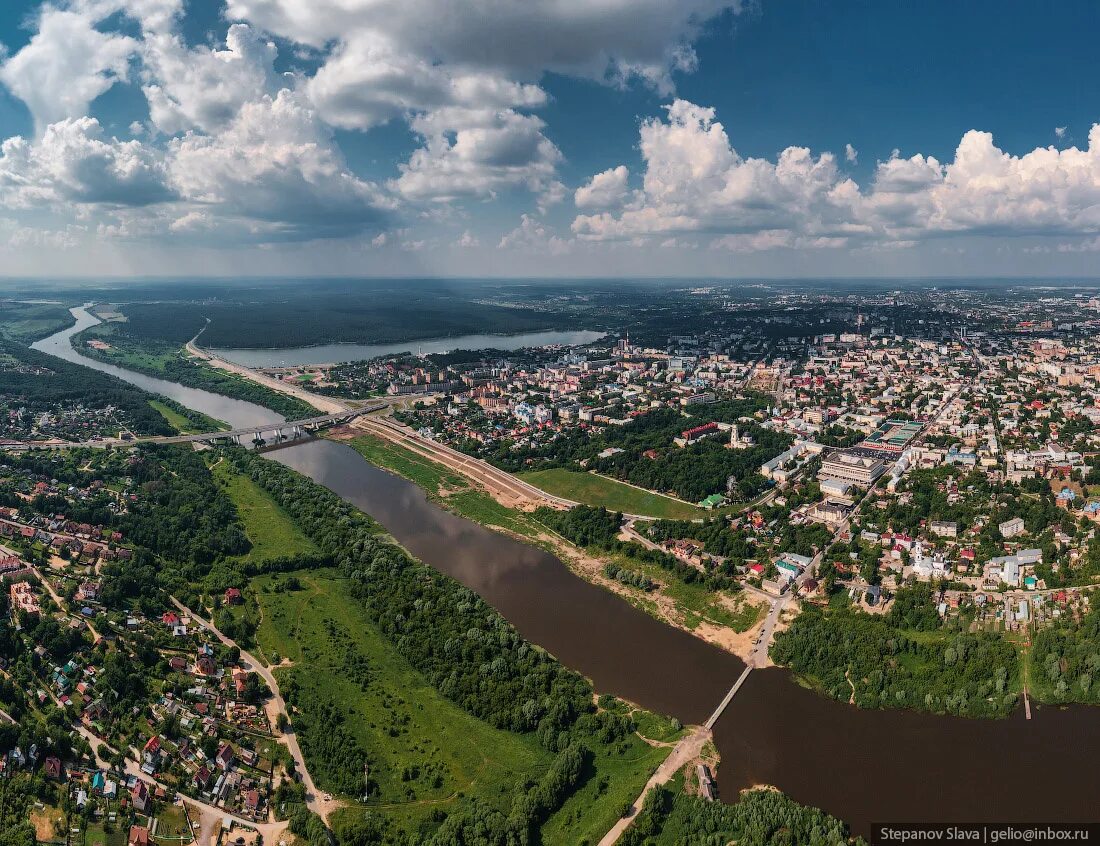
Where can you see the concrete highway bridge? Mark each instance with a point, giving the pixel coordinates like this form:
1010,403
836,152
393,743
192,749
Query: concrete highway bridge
279,432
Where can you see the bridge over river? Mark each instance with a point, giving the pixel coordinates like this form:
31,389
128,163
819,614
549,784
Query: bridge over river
288,430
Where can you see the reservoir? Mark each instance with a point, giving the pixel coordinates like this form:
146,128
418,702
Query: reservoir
335,353
865,767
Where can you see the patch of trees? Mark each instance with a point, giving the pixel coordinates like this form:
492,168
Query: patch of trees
598,528
629,577
182,514
336,757
915,608
135,581
309,827
760,818
805,539
459,643
716,535
1065,659
691,473
480,825
476,823
61,641
20,792
852,654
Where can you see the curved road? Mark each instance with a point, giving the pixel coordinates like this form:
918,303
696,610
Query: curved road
315,801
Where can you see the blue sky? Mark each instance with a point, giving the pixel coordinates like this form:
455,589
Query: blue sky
552,137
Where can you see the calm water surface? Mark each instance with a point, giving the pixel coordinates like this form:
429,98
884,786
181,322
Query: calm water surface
863,766
237,413
332,353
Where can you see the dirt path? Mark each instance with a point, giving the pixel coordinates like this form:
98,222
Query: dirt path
686,751
321,804
590,568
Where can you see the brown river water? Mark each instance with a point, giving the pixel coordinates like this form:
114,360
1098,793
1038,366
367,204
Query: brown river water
862,766
865,767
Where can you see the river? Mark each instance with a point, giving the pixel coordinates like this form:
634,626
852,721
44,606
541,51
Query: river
863,766
335,353
239,414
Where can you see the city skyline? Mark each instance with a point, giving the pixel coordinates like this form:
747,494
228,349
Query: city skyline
703,138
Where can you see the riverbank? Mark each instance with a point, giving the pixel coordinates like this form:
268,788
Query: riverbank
859,765
690,608
161,360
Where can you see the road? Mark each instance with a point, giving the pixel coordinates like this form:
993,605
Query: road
210,816
275,428
315,801
687,750
329,405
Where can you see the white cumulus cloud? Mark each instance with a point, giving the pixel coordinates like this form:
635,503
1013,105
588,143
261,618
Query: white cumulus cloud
66,64
605,190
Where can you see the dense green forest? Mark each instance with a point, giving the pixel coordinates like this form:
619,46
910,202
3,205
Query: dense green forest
165,360
759,818
878,663
181,514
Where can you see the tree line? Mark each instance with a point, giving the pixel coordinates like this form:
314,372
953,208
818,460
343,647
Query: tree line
759,818
873,662
598,528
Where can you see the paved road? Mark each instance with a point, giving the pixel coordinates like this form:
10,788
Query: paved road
329,405
315,801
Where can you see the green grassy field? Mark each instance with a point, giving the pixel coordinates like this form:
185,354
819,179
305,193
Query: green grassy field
402,722
595,490
184,426
426,754
431,476
695,602
268,527
446,487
